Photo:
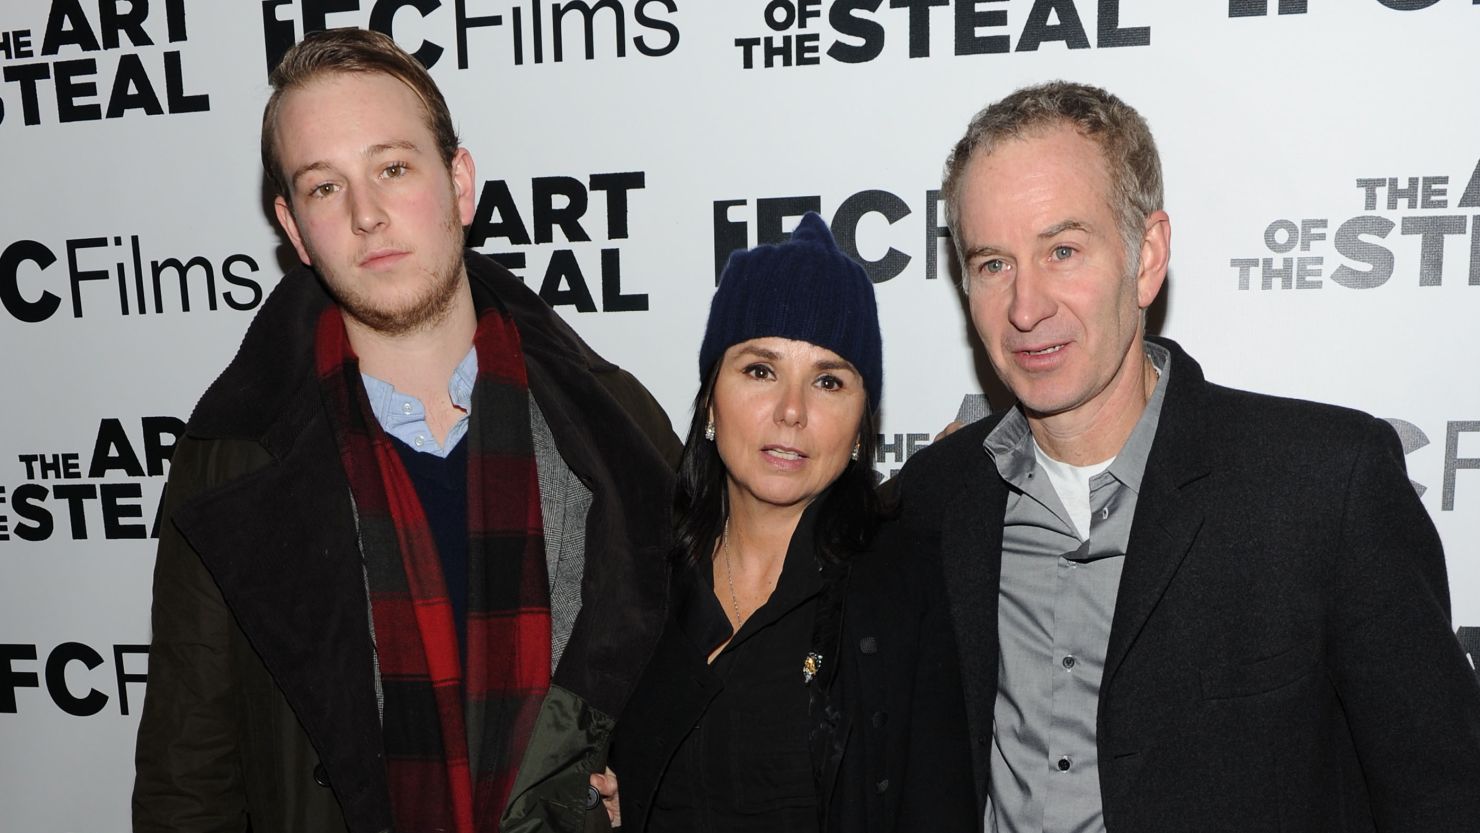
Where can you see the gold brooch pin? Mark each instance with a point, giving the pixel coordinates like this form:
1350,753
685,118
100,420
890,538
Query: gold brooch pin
810,666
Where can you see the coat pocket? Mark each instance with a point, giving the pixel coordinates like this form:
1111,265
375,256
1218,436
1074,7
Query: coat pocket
1261,676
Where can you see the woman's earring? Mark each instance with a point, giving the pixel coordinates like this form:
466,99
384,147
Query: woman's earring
856,444
709,433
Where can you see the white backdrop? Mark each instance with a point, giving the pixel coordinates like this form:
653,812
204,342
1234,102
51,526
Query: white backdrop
1321,161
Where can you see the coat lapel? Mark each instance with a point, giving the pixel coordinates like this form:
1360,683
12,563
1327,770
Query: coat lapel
971,548
1168,513
281,541
311,632
1165,527
624,597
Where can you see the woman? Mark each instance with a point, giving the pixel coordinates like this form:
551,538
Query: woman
775,492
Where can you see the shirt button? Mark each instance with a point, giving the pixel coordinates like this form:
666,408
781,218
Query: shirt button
1069,661
882,787
405,407
421,440
1065,763
1104,513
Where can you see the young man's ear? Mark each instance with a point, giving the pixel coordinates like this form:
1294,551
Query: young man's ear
290,227
464,185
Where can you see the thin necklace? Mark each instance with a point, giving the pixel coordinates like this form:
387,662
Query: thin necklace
724,546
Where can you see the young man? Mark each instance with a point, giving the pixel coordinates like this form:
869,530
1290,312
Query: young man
1178,607
415,556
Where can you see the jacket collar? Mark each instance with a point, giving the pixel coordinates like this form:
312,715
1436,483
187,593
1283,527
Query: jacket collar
1169,512
268,389
268,393
799,582
701,614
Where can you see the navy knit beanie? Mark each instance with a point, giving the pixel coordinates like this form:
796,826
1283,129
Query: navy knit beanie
804,289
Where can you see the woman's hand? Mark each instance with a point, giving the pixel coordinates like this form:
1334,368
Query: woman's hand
605,784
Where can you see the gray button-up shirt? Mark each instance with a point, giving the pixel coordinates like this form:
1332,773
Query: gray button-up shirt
1055,606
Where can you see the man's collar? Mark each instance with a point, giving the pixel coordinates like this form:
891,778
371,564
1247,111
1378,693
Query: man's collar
1012,447
392,408
1130,462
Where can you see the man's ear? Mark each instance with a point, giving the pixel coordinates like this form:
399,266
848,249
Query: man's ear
464,182
290,227
1156,255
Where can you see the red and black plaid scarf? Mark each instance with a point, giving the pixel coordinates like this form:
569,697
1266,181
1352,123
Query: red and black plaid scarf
454,737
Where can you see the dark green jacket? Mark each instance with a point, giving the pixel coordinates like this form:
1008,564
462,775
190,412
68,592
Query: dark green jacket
261,708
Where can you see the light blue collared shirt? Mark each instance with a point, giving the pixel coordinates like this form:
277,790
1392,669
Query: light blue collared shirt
405,417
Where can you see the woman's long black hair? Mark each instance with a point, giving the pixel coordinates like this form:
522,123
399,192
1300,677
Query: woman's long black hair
850,513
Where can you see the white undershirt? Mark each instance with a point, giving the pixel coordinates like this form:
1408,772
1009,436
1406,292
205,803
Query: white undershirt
1072,484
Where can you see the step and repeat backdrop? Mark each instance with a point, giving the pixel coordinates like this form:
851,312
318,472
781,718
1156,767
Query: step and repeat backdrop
1323,177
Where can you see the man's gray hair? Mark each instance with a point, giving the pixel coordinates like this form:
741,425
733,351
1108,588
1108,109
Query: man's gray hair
1131,160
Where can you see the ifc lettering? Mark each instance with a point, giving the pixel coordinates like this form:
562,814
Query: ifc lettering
26,266
538,32
130,663
738,225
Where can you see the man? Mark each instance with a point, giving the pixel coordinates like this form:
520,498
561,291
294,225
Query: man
416,546
1178,607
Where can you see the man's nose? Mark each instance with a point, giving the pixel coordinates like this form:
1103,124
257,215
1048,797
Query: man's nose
1031,301
367,212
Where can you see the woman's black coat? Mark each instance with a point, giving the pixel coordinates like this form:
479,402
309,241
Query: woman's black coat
749,768
889,720
889,751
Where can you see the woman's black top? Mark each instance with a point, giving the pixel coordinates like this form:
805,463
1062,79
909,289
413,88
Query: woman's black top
722,747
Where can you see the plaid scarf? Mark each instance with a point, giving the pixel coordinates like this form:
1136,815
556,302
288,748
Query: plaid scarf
454,736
